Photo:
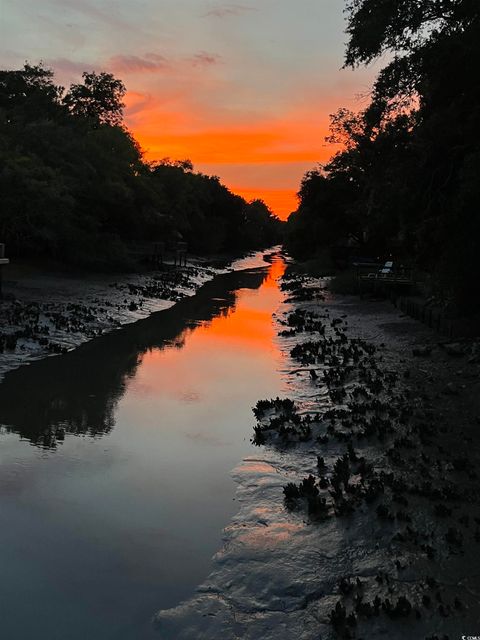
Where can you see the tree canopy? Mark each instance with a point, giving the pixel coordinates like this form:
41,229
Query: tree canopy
99,98
406,179
74,185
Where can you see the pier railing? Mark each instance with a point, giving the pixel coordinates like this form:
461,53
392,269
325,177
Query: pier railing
381,277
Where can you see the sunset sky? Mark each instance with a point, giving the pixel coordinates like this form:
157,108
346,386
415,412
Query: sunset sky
244,90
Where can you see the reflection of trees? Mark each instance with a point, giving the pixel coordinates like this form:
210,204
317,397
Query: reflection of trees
78,392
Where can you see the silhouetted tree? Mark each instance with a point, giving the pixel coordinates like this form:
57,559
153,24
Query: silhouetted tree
412,155
74,184
99,98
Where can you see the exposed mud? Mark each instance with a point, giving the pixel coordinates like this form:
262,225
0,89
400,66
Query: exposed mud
45,313
360,517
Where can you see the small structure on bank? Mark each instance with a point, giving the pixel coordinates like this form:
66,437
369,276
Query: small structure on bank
383,277
3,262
157,253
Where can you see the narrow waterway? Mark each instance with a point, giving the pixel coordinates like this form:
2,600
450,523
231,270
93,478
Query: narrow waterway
115,462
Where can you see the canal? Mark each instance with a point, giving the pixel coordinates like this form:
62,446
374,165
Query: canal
115,462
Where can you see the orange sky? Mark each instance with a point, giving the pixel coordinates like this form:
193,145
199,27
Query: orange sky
264,157
242,89
236,153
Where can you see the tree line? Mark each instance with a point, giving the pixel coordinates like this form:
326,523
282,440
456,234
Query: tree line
75,186
407,180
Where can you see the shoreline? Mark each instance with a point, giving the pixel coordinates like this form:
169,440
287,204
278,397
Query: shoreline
66,395
280,571
52,313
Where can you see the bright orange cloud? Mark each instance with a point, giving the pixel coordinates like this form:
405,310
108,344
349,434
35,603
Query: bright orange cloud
257,155
227,147
295,141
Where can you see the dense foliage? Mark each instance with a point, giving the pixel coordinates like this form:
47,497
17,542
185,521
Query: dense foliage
407,180
75,187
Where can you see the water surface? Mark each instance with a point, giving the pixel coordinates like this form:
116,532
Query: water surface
115,462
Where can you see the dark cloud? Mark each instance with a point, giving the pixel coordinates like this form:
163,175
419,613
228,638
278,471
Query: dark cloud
204,59
149,63
223,11
69,66
70,70
153,62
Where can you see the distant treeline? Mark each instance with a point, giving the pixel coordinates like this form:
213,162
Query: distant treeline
407,181
75,187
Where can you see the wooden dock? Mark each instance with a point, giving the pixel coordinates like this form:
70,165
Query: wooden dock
373,276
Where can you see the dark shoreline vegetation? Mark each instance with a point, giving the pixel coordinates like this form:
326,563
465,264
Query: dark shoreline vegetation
406,184
76,188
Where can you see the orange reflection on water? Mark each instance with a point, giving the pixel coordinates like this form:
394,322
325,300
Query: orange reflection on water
255,467
262,537
246,330
276,271
248,324
241,325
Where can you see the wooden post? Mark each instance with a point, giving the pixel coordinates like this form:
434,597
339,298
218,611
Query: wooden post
158,253
3,261
180,254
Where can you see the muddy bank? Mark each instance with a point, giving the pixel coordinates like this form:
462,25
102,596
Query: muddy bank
48,313
378,532
66,395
